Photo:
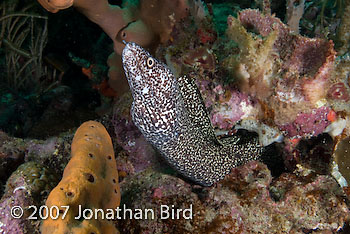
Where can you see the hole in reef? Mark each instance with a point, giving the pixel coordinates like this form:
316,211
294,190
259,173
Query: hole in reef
109,157
91,155
114,181
69,194
89,177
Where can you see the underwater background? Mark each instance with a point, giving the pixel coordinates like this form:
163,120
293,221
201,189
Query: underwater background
269,78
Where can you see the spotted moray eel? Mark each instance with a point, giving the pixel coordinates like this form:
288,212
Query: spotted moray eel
170,113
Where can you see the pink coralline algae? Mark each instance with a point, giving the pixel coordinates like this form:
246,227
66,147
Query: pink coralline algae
308,124
301,55
53,152
28,186
154,189
246,201
286,70
262,206
225,104
158,193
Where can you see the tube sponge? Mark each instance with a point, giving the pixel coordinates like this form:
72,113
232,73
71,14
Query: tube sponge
90,181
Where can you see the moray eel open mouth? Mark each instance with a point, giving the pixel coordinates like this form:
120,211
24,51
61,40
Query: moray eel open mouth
170,113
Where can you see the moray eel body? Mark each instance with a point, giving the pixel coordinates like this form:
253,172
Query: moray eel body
170,113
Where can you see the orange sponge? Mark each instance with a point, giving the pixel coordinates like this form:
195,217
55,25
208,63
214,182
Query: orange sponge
90,182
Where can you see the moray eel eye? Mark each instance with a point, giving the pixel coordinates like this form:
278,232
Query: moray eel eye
150,62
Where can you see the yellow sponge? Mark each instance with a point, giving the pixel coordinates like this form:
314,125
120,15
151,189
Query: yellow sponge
90,182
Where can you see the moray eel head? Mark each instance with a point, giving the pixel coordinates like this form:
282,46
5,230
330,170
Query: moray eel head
153,87
148,78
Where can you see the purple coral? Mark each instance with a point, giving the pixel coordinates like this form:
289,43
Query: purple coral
301,54
226,105
308,124
304,66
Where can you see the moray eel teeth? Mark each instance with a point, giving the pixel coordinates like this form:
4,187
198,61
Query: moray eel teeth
170,113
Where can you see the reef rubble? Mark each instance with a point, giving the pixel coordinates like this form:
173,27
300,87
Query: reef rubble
262,78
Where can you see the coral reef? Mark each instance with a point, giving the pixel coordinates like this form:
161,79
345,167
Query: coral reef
262,76
338,93
275,76
247,200
308,124
11,155
53,152
265,76
322,19
288,194
90,180
288,71
28,186
149,190
221,100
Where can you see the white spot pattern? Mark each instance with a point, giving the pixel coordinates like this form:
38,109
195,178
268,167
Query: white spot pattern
170,113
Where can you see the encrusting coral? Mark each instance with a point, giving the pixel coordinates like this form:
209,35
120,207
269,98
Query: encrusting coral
90,181
287,71
265,73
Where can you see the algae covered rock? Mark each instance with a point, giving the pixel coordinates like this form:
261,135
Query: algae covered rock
248,200
28,186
